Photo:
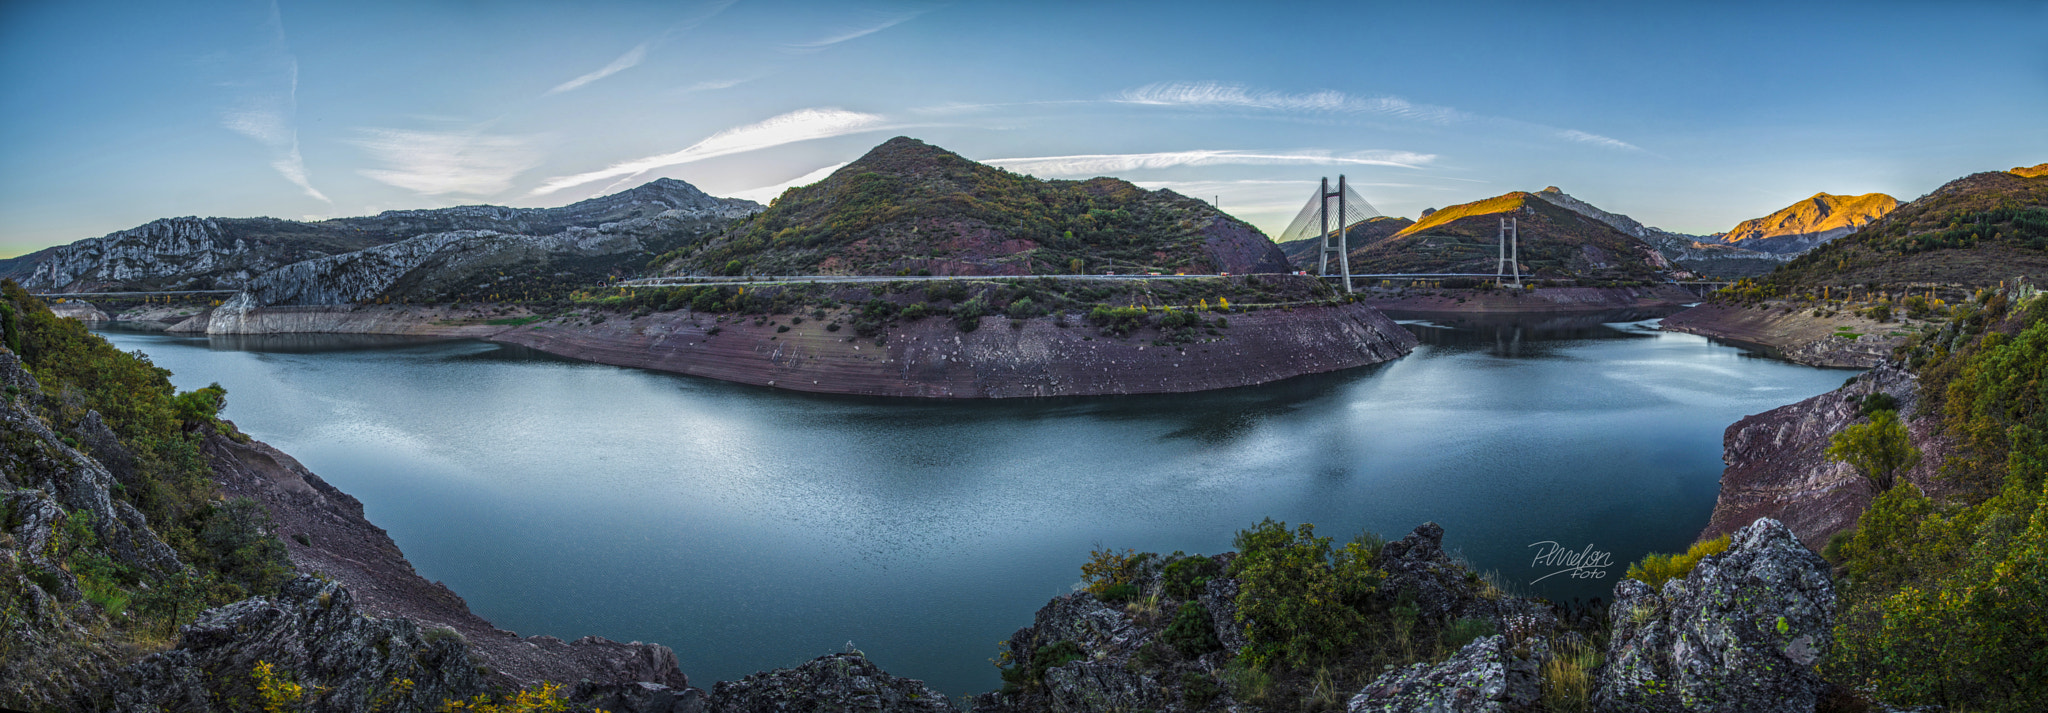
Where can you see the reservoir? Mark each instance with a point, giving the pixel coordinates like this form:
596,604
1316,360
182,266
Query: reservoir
750,528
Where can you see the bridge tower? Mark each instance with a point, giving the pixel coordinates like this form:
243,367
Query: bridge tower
1509,262
1339,244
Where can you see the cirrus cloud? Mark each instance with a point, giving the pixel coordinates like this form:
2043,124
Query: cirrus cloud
795,126
1104,164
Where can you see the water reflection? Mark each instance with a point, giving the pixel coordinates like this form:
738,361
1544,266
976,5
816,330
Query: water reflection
751,528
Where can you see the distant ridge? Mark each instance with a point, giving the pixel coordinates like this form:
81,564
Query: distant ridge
1801,226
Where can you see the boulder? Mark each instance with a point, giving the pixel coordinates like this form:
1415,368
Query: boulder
838,682
1486,676
1742,632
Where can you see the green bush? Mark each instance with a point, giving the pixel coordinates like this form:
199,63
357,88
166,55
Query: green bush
1288,597
1191,631
1878,450
1198,690
1186,577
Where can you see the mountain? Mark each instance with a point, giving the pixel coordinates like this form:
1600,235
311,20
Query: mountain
1555,241
910,207
2034,171
1801,226
1689,253
1305,254
1975,231
226,253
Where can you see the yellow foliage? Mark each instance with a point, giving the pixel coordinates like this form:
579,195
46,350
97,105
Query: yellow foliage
1656,569
547,698
279,693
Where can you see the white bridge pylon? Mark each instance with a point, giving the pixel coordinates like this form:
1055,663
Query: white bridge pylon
1351,209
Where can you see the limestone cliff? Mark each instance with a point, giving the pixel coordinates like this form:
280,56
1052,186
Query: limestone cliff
226,253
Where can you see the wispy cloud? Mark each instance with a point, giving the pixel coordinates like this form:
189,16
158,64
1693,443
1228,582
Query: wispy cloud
1234,96
1596,140
1214,94
1104,164
765,194
626,61
711,85
857,31
436,163
800,125
271,117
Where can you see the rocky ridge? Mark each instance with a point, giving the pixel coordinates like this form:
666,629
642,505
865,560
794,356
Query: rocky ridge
226,253
1693,253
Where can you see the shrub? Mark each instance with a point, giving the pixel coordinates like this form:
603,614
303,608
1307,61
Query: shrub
1023,309
1108,568
1656,569
1288,597
1051,656
1878,449
1191,631
1186,577
1873,403
1198,690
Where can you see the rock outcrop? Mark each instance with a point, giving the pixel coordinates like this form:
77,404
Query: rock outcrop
838,682
1777,467
1486,676
1742,632
311,634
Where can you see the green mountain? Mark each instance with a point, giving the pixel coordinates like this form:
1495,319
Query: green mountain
911,208
1976,231
1555,242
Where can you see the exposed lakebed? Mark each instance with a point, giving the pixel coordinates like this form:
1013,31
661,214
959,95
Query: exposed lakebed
751,528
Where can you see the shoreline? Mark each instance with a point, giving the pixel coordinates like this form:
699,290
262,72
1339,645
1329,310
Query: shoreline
1059,355
1535,301
1843,340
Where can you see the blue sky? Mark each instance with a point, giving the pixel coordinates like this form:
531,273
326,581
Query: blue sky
1691,117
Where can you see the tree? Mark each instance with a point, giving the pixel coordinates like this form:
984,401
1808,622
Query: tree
1878,450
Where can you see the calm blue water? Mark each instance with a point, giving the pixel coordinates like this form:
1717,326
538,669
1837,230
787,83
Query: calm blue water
750,528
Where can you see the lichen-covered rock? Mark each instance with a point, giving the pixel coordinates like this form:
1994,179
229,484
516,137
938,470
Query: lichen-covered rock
1485,676
1100,687
310,634
1742,632
839,682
